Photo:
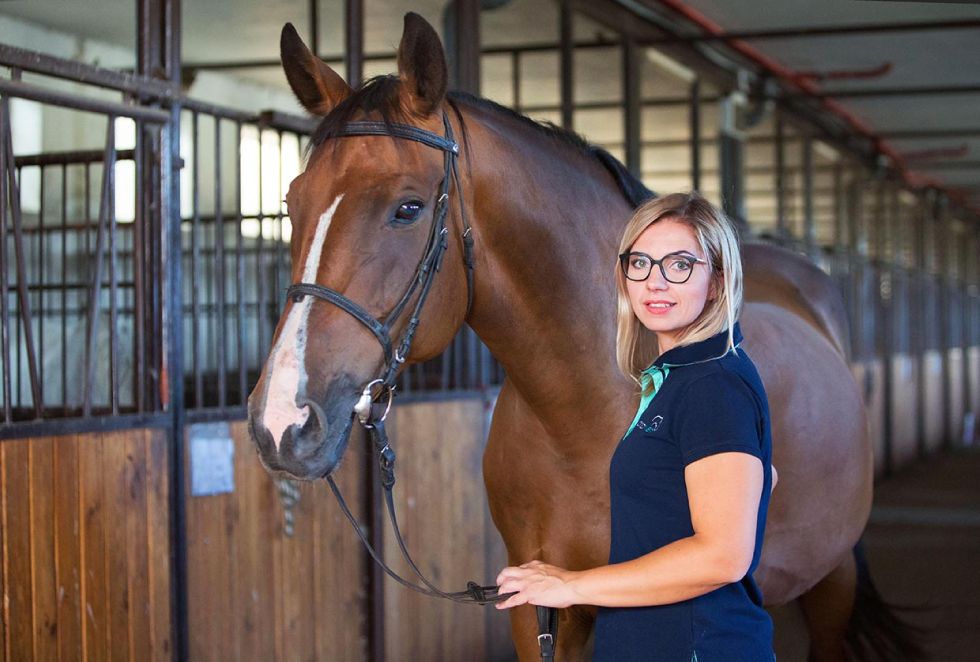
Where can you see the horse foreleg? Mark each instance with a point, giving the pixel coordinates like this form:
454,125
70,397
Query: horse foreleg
827,610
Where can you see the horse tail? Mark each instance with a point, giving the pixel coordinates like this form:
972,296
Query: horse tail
876,631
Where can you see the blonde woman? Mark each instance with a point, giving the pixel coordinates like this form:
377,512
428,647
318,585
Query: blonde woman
691,478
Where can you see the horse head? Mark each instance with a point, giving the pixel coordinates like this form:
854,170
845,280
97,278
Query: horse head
362,215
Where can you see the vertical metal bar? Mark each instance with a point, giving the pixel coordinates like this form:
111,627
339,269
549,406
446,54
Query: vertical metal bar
515,78
259,261
567,64
730,151
354,37
172,323
840,209
23,298
467,55
884,221
919,330
314,28
39,267
63,289
965,316
632,108
196,263
779,144
139,284
277,234
4,303
219,249
240,268
91,327
942,244
110,174
809,228
694,123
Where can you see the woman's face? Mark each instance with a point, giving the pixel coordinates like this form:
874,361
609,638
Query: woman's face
668,308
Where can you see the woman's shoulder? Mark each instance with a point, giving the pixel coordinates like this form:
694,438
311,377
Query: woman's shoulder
729,381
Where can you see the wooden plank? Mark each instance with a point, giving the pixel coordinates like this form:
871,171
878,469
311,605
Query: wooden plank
18,592
255,635
340,567
115,500
158,543
203,601
68,567
440,504
4,614
94,589
138,589
297,566
45,601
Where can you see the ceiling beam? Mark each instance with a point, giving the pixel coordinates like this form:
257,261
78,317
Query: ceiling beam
938,90
819,31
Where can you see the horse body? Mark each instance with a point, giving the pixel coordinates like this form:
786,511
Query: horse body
546,220
564,405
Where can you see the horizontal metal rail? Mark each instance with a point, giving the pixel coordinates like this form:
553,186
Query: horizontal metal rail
68,100
80,72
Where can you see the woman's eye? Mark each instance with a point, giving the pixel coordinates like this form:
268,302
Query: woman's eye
408,212
639,262
679,265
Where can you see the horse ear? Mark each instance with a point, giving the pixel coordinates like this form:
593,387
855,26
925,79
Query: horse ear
422,65
318,87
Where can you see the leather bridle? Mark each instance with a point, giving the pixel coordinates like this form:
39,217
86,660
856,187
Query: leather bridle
422,281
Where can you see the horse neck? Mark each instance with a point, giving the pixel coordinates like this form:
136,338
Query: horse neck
547,221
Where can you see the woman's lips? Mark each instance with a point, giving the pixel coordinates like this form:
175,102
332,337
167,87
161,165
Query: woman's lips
655,308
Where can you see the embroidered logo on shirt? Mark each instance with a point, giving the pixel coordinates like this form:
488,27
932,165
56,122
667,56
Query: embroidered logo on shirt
652,426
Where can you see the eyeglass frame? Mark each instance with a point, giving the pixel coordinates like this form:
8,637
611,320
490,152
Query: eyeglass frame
623,257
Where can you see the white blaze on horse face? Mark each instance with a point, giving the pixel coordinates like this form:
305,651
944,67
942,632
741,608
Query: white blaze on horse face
287,363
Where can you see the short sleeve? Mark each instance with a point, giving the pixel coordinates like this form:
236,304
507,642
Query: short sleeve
719,413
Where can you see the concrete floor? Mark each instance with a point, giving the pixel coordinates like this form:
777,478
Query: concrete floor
923,548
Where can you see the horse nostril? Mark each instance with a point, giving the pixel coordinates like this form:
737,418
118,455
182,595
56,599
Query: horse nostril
309,437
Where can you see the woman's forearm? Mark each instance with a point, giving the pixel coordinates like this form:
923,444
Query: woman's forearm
681,570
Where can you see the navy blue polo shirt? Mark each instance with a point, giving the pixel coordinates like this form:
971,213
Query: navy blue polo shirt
707,401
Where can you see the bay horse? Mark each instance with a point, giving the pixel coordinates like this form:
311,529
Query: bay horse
546,212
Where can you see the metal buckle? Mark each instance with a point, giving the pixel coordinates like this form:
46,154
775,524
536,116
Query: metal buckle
363,406
546,636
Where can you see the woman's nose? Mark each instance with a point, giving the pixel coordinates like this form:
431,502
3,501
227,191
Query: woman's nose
656,281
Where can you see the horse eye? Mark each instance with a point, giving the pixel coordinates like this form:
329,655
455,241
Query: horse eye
408,212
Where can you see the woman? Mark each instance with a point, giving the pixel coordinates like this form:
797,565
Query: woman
691,478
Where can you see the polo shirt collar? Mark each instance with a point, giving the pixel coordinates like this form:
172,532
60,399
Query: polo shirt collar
703,350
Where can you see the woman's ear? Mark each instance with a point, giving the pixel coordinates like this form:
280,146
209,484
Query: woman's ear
715,287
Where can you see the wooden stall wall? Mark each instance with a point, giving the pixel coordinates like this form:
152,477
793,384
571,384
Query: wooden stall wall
442,509
86,555
257,594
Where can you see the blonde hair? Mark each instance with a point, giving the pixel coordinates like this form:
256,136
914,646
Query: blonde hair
636,346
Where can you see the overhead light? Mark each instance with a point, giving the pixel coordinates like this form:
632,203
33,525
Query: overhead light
670,65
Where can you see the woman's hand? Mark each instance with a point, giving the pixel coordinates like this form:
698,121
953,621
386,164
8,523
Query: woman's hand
536,583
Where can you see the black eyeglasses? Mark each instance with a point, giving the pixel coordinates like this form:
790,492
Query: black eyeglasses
675,267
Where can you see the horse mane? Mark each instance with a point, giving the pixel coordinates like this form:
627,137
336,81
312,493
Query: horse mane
380,94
